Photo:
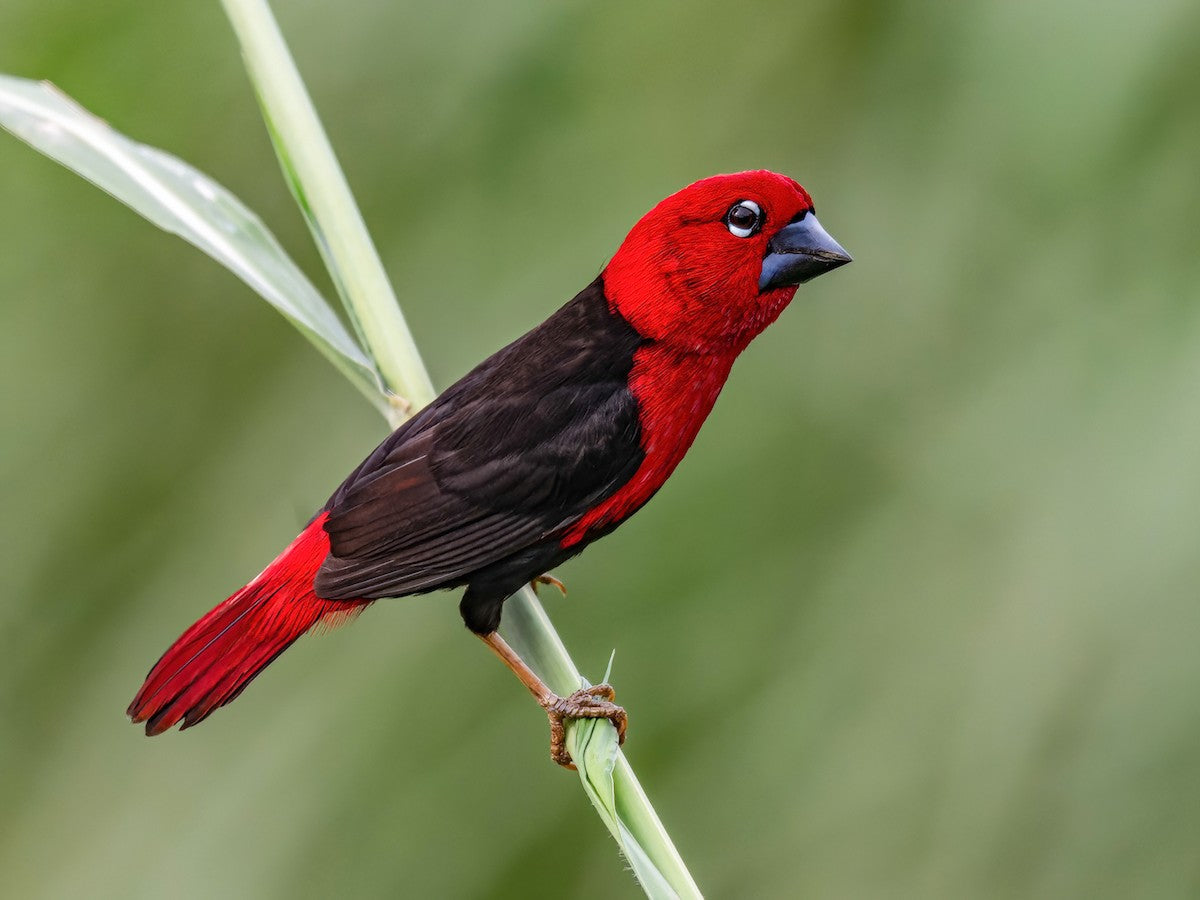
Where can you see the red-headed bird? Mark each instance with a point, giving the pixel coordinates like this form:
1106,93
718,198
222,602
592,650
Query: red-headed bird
542,448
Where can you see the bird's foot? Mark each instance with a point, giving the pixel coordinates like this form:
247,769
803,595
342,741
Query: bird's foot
589,703
548,579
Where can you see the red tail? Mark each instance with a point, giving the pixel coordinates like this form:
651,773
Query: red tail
217,657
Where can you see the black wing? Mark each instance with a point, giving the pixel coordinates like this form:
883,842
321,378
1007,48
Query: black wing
507,458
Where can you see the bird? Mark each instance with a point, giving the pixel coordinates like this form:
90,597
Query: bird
546,446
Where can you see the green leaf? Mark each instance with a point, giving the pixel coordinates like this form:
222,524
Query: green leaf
181,200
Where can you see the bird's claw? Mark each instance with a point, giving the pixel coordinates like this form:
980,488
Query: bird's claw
548,579
594,702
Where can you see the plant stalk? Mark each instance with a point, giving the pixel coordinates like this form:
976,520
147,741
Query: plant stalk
321,189
313,174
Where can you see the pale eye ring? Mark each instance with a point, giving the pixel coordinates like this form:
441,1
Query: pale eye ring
744,218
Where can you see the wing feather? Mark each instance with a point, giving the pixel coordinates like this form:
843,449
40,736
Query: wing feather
508,457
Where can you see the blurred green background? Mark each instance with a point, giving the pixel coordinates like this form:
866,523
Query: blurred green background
918,618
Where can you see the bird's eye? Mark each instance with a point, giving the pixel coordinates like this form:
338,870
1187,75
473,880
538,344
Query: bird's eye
744,218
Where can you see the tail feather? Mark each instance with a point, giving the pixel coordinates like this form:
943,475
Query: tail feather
213,661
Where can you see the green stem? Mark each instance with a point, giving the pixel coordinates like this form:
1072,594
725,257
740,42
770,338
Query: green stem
317,181
529,631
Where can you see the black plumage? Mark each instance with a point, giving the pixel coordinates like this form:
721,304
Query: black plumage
480,486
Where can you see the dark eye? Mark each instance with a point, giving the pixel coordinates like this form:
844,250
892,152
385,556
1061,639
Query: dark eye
743,218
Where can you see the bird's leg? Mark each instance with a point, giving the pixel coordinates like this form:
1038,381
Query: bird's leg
588,703
548,579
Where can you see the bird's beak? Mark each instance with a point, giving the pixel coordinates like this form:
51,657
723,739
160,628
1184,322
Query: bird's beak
800,252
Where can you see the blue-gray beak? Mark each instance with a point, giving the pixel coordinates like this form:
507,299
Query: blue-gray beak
800,252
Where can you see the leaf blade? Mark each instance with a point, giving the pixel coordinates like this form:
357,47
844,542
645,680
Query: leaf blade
183,201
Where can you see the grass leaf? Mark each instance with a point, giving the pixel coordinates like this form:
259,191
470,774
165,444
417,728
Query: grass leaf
186,202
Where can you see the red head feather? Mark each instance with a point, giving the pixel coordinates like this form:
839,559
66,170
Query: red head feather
682,277
687,280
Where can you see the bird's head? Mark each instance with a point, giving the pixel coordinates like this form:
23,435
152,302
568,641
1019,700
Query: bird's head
713,265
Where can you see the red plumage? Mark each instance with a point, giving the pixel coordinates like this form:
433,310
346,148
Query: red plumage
214,660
